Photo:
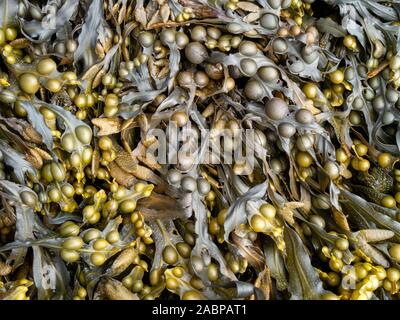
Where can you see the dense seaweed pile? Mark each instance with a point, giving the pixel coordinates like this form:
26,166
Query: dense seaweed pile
123,125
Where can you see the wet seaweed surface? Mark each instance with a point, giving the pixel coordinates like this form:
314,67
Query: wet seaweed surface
199,149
